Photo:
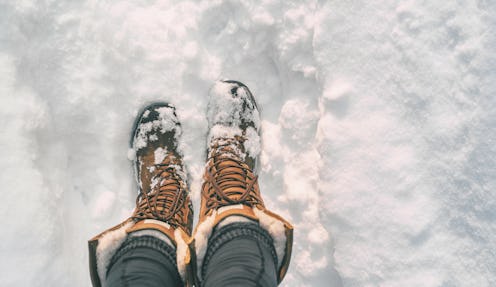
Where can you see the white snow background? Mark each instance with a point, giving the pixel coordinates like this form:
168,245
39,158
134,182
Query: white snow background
378,127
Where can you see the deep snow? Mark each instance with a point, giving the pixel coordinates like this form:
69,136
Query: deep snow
378,121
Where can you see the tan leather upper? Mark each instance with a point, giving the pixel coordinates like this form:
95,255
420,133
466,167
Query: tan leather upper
228,180
163,195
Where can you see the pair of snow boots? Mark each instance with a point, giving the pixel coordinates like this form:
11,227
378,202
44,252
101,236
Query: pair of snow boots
229,192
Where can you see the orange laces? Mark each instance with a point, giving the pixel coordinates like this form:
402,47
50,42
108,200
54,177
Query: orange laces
228,180
165,201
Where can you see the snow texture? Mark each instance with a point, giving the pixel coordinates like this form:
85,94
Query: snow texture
159,155
147,132
227,112
378,128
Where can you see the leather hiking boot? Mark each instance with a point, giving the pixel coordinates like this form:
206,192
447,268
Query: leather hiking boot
230,190
163,203
160,173
233,148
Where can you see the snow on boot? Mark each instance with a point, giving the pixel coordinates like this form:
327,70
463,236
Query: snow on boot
163,203
230,190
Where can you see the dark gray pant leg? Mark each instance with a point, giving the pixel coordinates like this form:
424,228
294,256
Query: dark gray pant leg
144,261
240,254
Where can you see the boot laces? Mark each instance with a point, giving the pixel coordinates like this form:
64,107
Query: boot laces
228,179
165,200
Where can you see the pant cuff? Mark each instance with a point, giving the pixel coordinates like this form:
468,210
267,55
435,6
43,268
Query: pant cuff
148,241
236,230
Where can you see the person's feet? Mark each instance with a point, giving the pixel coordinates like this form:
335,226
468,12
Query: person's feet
230,191
160,173
231,197
233,115
233,149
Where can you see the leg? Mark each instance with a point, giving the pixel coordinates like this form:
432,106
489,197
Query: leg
240,254
144,261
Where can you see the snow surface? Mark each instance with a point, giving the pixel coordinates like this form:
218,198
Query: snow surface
378,121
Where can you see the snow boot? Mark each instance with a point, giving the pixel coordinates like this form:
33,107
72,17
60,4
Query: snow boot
230,190
163,203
